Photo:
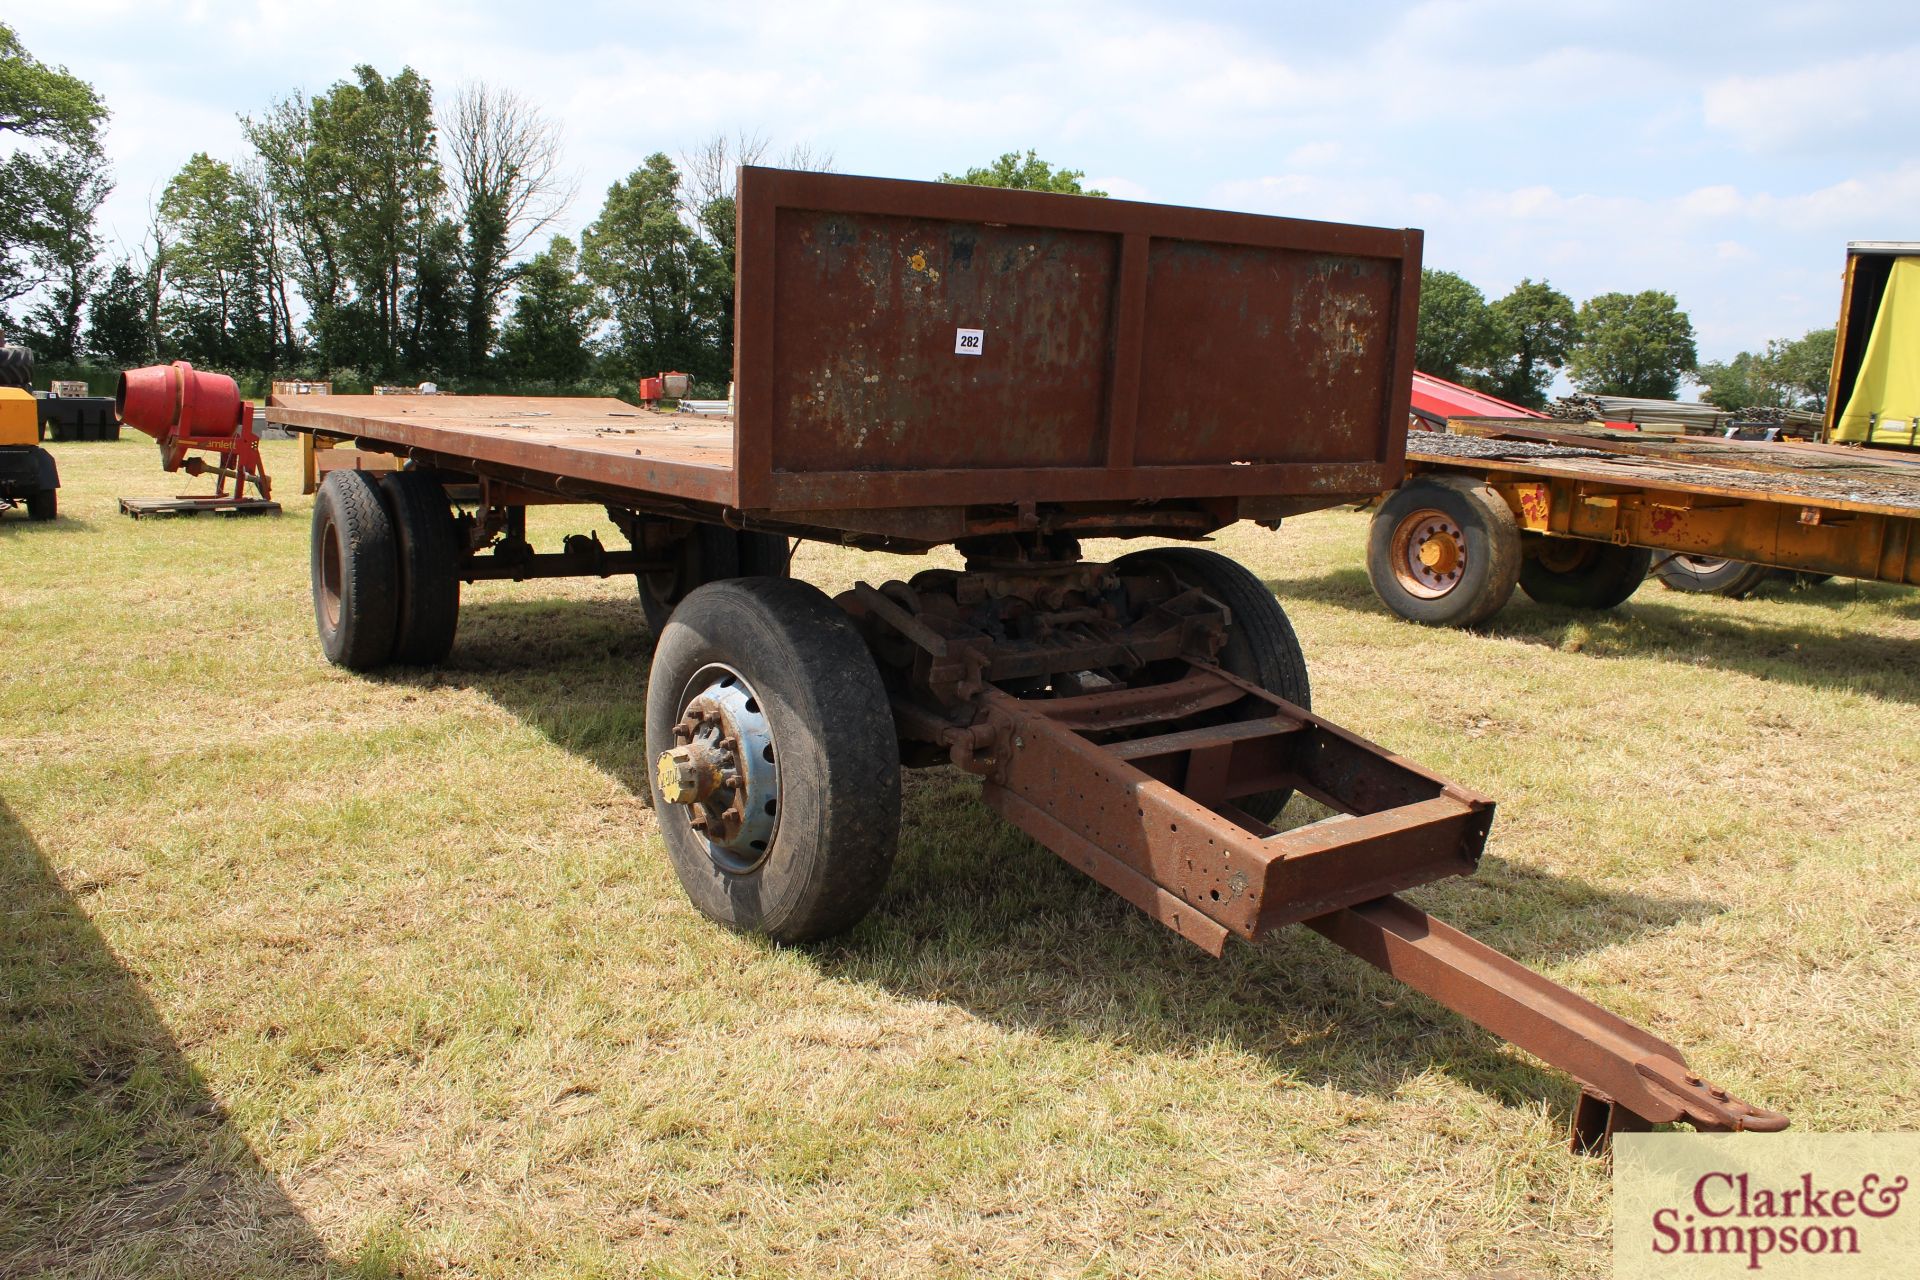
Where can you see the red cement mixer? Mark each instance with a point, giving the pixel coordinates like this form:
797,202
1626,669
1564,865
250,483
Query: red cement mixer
188,411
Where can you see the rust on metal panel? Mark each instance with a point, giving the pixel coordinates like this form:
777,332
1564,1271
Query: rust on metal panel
1329,484
938,344
1153,806
868,374
1266,355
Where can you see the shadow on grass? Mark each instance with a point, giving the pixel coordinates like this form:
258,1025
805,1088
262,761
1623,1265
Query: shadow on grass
574,669
978,916
999,926
115,1159
16,522
1649,626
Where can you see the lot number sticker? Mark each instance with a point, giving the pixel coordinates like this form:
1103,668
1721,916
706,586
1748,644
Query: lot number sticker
966,342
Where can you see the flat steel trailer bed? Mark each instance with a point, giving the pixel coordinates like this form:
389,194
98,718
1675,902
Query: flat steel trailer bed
923,364
1577,515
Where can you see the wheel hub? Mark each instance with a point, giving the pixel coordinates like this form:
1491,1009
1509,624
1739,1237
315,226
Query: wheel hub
1563,555
721,772
1429,553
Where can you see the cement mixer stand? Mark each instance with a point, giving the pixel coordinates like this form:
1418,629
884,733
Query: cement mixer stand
187,411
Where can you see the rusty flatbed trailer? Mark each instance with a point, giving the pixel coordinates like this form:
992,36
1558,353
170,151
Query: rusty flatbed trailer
922,364
1577,515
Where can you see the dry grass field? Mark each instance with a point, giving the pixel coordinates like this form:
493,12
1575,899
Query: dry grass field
306,973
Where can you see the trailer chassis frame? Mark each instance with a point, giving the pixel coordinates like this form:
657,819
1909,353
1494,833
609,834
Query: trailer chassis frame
1136,786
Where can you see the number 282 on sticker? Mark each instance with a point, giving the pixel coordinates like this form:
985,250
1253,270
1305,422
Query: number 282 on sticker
966,342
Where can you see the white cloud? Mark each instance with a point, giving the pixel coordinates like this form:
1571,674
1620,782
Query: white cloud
1119,188
1315,155
1820,104
1527,141
1747,266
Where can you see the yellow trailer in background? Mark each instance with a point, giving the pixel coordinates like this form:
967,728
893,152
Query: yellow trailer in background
1874,396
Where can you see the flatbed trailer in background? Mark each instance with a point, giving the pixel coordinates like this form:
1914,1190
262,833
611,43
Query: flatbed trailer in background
922,364
1576,515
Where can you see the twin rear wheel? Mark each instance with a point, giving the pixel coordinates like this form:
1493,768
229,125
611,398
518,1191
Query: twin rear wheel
386,569
1448,551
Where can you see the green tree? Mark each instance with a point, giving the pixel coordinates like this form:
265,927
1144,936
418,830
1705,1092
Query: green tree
1804,366
1785,375
50,125
1533,334
1026,172
374,153
661,282
1738,383
306,212
1456,332
508,187
549,331
72,185
436,339
218,306
1633,344
117,319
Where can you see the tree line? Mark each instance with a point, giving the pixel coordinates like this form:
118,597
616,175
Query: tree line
376,233
1622,344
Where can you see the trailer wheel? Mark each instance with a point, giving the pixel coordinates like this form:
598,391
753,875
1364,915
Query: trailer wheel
1582,574
1444,551
356,572
777,774
43,504
1261,646
711,553
428,550
1710,575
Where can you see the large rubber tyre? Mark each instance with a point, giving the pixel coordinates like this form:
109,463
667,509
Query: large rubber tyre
1580,574
428,547
43,505
1261,646
832,738
16,368
356,572
1478,535
1710,575
712,553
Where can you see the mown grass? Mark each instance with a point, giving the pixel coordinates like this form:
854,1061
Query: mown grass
303,972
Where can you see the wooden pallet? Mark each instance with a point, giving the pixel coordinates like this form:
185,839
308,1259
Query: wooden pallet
185,506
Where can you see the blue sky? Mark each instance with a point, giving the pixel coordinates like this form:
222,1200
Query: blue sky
1723,152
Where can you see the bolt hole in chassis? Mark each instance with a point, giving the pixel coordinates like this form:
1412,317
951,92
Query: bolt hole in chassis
1132,717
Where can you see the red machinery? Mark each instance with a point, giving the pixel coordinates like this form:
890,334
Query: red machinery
664,386
187,411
